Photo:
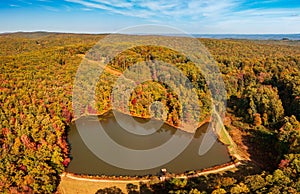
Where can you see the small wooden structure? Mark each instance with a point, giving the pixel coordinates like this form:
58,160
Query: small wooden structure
162,174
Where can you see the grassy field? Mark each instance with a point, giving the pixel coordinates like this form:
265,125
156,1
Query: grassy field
69,185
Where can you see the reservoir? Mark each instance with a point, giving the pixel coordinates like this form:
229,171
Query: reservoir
84,161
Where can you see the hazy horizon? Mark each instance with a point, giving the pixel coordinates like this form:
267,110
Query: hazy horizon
193,17
100,33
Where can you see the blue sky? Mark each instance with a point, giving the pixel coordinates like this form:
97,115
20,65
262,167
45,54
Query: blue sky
193,16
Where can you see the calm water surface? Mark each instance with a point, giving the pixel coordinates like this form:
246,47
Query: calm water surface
85,162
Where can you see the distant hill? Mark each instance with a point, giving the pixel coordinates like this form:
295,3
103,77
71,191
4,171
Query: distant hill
40,34
251,36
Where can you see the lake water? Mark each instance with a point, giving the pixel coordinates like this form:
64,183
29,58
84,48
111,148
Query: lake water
85,161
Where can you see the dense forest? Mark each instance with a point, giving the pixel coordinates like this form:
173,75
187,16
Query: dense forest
263,106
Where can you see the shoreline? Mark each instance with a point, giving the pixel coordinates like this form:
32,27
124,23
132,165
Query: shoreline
90,184
129,179
222,134
206,119
223,137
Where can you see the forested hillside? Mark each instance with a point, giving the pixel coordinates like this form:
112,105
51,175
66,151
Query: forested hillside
263,85
36,80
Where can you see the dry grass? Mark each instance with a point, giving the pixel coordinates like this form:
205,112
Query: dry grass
71,186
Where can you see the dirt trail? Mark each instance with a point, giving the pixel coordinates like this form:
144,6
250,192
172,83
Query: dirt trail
104,66
103,180
71,184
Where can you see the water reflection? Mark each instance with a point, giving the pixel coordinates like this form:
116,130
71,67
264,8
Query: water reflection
85,162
